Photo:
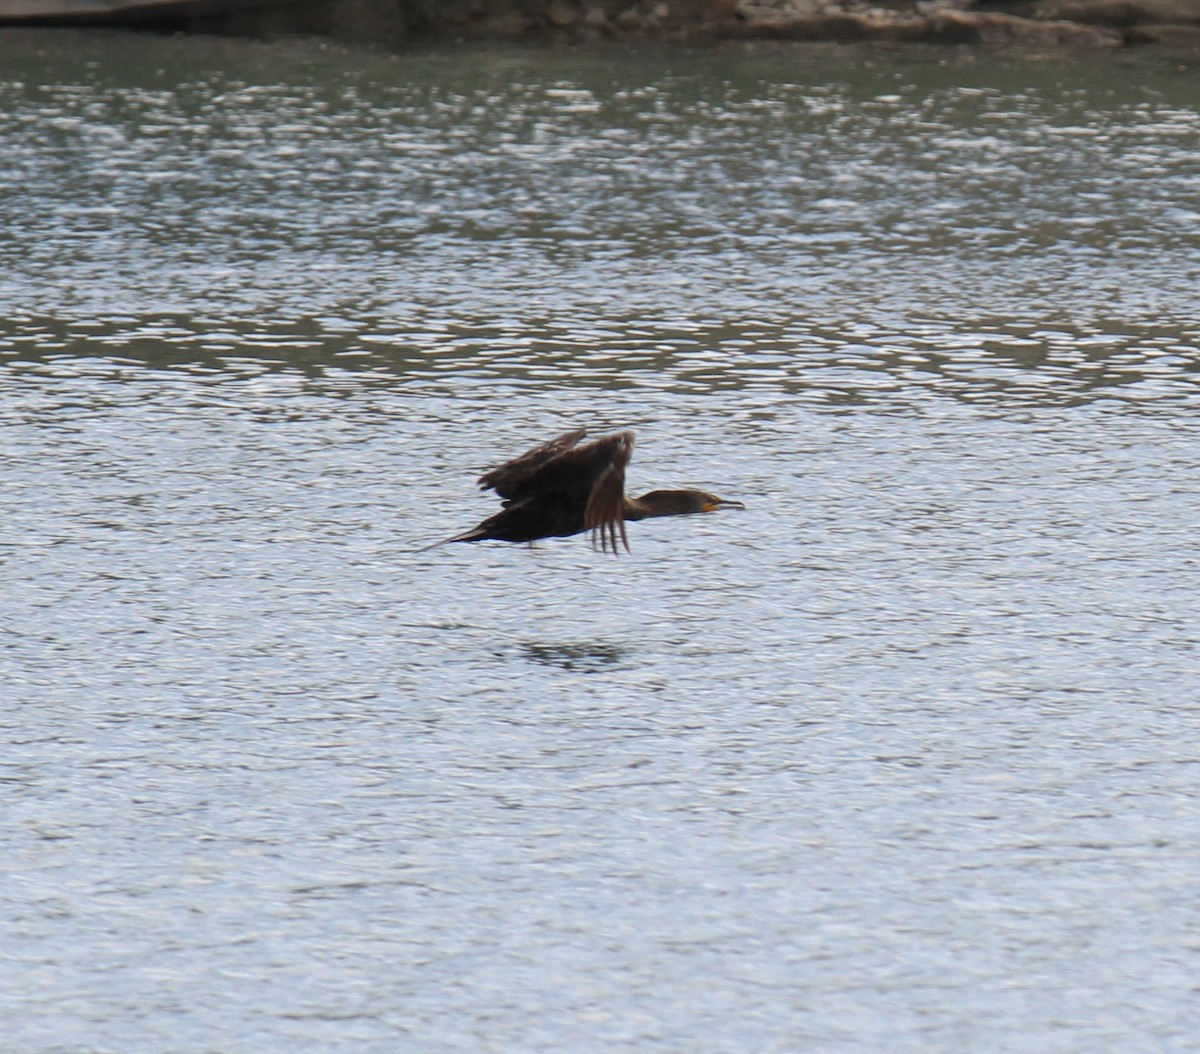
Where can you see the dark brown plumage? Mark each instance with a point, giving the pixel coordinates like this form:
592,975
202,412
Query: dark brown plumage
562,488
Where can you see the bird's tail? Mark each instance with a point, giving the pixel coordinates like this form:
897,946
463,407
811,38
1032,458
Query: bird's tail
474,535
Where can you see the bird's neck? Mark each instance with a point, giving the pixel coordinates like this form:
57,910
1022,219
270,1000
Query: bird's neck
637,509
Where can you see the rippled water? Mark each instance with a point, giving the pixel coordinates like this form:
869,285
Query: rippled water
904,757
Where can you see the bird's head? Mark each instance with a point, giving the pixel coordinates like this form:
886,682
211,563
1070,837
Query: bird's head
683,502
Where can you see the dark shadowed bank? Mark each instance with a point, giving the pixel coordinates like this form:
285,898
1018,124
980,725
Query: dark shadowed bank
1038,23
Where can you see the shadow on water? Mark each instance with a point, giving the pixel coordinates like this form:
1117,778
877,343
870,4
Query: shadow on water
574,655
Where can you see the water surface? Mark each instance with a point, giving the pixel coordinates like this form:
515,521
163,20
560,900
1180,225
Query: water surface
904,757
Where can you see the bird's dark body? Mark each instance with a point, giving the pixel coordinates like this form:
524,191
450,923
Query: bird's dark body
551,516
562,488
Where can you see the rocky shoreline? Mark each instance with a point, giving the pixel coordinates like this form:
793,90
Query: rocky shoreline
1053,23
1038,23
1024,23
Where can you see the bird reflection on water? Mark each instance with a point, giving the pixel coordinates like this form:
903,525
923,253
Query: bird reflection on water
561,488
576,655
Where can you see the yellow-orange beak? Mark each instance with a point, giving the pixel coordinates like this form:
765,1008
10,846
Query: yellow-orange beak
721,503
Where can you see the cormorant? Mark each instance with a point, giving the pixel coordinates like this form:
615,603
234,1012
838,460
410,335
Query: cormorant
561,488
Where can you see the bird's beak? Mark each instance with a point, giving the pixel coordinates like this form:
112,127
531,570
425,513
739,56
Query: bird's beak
721,503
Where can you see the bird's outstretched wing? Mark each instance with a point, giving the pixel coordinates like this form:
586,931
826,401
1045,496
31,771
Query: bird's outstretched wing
561,476
604,513
509,479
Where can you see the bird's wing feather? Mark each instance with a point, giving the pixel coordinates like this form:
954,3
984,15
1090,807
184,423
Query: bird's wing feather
605,510
591,476
509,479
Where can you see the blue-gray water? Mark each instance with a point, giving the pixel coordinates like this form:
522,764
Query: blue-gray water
902,758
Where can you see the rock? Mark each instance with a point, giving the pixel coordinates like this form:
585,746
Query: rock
940,25
993,28
1127,12
642,17
1171,36
777,12
560,14
595,18
659,12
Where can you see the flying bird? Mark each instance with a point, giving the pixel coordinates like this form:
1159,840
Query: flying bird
562,488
